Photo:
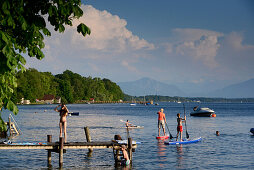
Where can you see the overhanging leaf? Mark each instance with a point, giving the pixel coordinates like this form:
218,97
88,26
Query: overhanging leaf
83,29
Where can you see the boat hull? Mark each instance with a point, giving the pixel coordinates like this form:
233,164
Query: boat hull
201,114
252,130
74,113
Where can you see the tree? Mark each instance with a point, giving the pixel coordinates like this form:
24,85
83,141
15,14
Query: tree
22,31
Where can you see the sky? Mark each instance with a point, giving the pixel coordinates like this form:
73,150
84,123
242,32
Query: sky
196,45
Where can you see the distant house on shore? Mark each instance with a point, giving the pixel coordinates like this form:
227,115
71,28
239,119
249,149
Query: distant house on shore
58,100
50,99
23,101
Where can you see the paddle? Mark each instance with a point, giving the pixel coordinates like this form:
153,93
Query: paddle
187,135
171,137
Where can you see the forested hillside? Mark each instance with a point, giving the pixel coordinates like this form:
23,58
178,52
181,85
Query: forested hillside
71,87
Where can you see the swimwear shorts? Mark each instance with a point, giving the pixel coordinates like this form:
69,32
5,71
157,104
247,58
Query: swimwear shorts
128,162
161,123
179,128
125,162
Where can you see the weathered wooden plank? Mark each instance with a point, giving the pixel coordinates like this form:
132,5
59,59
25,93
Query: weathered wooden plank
71,145
3,146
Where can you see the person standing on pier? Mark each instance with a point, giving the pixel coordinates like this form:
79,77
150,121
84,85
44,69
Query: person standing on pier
161,121
63,112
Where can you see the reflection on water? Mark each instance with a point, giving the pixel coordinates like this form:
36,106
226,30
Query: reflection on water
161,154
179,151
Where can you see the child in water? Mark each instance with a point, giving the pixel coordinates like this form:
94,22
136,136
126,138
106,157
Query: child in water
126,160
180,126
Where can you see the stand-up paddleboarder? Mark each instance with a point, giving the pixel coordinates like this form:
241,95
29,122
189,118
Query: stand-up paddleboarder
161,121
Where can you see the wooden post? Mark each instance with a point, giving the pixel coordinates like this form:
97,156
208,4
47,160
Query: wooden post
61,145
130,148
10,129
88,137
49,139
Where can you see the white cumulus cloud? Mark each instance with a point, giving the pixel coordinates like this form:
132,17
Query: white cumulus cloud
200,45
108,32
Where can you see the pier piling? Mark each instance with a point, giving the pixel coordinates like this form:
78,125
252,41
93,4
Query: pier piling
49,140
61,146
130,148
88,137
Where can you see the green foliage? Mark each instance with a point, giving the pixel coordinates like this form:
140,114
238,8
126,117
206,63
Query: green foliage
71,87
22,31
34,85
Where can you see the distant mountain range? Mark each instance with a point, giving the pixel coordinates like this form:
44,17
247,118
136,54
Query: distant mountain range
147,86
241,90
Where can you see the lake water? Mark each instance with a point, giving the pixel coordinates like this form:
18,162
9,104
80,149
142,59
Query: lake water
233,149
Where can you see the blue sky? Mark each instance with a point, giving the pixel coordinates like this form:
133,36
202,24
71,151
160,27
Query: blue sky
196,45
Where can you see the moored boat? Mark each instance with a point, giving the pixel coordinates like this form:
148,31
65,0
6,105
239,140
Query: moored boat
202,112
252,130
73,113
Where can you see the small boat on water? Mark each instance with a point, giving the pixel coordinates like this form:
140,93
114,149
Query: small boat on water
202,112
73,113
252,130
134,127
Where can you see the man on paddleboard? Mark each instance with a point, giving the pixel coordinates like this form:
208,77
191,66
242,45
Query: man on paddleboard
128,124
161,121
180,126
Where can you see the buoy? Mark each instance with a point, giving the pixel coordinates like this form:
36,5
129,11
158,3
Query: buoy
213,115
217,133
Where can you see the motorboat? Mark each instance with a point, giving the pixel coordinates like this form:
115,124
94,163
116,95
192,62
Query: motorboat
73,113
252,130
202,112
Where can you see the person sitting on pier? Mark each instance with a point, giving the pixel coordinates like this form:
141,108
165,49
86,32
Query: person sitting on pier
63,112
125,161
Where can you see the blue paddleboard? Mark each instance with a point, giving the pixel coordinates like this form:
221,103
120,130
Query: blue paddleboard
186,141
28,143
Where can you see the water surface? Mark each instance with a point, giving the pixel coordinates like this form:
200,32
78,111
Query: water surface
233,149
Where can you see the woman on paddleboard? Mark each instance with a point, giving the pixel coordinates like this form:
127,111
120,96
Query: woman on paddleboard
161,121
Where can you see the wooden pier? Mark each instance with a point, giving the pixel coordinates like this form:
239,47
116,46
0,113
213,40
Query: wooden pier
61,147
